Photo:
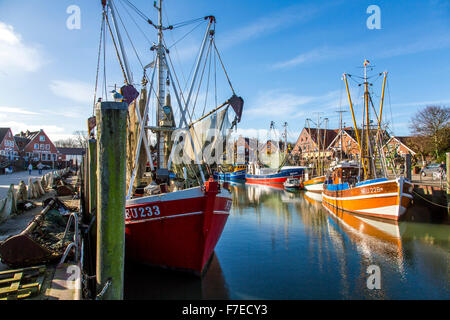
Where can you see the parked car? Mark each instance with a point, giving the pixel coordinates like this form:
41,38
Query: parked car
430,169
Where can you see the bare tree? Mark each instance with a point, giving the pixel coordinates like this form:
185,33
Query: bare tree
79,140
66,143
82,138
433,122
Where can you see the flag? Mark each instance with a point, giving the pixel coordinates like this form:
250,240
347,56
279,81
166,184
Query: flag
238,104
129,93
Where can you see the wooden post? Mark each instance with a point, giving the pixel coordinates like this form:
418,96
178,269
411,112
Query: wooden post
111,182
92,175
408,166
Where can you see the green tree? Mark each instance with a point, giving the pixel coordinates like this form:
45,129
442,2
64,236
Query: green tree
433,122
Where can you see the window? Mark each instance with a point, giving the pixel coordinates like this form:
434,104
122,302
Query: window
41,138
47,147
42,147
36,146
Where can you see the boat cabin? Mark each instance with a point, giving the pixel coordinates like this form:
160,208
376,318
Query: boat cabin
345,174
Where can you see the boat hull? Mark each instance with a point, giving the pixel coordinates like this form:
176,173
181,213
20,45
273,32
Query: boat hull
177,230
231,176
274,178
387,199
314,185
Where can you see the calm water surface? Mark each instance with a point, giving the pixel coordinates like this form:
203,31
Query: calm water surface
282,245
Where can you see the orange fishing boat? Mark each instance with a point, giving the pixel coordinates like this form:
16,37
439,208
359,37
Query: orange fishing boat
381,197
314,184
363,188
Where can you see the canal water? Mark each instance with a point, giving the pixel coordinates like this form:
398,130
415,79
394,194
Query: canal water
282,245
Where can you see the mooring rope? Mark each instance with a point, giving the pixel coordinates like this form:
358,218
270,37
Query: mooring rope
436,204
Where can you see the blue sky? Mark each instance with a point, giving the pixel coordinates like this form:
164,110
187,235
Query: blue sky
285,58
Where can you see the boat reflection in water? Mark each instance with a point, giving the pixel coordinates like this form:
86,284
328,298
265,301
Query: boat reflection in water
151,283
372,235
283,245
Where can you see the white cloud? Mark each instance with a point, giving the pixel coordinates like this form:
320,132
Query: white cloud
421,103
14,110
263,134
17,127
317,54
284,105
15,55
281,19
74,90
328,53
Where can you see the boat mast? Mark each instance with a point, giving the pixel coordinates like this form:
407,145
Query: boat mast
366,106
318,145
285,138
324,145
161,89
354,123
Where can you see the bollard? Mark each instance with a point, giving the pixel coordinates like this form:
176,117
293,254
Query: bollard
111,182
92,175
30,189
21,194
8,206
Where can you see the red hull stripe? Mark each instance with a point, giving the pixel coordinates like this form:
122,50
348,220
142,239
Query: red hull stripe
271,180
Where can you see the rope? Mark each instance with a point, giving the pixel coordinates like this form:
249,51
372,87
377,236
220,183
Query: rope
200,82
207,84
140,13
223,67
436,204
105,88
192,30
188,22
136,24
102,293
98,62
117,50
129,38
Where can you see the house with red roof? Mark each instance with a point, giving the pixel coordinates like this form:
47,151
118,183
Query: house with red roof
36,146
8,147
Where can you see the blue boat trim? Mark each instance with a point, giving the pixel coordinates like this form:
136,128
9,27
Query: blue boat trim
371,181
338,187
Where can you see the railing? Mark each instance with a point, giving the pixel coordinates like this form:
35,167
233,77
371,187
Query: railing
73,218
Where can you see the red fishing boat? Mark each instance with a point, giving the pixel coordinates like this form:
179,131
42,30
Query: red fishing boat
179,229
173,218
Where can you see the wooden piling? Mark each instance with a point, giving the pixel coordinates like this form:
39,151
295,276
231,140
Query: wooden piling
111,182
92,175
408,167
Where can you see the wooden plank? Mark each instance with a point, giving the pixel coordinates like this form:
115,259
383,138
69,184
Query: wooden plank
16,290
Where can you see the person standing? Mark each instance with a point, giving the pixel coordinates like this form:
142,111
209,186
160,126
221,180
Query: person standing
30,168
40,166
443,169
